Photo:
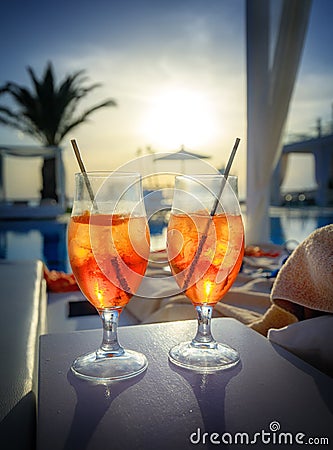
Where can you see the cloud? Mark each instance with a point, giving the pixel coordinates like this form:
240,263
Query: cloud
312,99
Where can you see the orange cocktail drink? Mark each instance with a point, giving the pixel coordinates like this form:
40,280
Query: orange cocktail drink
108,249
108,255
206,277
205,244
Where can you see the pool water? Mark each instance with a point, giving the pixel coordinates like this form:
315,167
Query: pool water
46,239
35,239
295,224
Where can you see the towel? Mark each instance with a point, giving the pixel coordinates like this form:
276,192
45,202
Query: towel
303,288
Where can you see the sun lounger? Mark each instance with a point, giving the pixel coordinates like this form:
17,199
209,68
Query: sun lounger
22,321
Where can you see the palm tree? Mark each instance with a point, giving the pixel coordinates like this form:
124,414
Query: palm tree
47,112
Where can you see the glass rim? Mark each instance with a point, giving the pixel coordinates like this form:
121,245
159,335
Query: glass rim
107,173
196,176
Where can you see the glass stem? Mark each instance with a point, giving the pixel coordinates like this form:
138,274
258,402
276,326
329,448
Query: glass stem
204,335
110,345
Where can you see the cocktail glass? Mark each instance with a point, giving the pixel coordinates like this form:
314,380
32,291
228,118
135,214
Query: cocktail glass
108,248
205,244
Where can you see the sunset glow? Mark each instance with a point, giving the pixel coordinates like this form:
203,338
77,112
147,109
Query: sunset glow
178,117
177,71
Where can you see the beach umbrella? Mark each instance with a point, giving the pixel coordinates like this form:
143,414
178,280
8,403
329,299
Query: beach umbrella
181,155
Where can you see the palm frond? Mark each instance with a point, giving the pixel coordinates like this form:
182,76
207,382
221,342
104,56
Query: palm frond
47,111
83,117
7,111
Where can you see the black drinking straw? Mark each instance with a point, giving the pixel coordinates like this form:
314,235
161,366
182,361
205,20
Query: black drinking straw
84,172
212,213
226,174
122,280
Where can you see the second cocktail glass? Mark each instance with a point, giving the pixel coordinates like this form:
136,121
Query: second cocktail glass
205,244
108,247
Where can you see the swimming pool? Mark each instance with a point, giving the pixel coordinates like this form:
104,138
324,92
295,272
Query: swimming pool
35,239
46,239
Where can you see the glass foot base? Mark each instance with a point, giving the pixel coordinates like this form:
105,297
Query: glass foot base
107,368
203,358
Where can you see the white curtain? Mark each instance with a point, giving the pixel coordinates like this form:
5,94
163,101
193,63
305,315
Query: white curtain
271,74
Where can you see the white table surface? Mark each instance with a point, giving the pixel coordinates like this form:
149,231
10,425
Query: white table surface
164,406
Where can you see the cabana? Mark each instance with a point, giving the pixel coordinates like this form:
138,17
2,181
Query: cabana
26,209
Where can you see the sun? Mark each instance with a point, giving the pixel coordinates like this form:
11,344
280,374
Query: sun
180,117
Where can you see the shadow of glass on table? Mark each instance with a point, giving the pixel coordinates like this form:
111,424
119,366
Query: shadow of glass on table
96,396
210,392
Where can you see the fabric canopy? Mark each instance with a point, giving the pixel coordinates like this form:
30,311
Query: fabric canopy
269,90
28,150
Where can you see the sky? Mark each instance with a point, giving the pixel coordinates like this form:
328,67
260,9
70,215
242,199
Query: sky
176,68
